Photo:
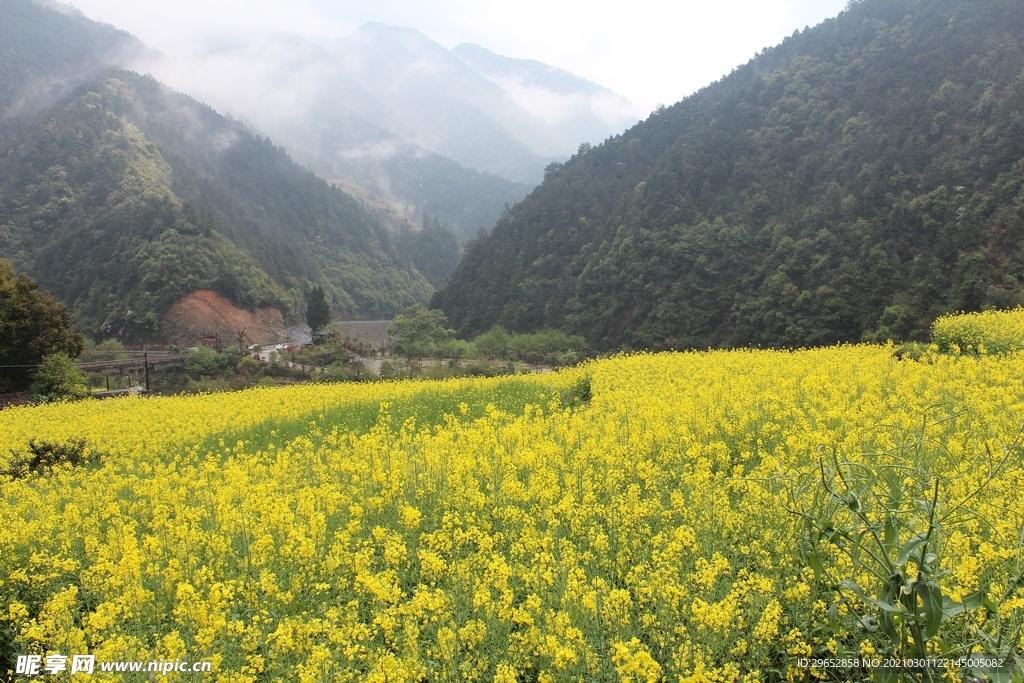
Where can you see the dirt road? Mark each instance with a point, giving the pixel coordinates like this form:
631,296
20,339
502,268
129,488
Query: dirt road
299,335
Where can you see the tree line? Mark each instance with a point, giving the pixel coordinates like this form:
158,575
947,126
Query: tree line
420,332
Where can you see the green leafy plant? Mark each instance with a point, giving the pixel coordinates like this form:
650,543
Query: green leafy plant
249,366
44,456
420,332
578,394
206,361
58,378
888,515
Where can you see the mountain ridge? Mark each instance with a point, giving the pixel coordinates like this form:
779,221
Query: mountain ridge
850,184
236,198
43,60
385,91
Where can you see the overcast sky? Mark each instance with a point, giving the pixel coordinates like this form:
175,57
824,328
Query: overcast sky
649,51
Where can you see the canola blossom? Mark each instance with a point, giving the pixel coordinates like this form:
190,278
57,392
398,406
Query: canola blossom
491,529
983,332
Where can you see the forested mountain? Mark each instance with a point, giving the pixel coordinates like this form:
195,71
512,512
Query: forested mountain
46,51
125,196
434,250
852,183
314,103
425,183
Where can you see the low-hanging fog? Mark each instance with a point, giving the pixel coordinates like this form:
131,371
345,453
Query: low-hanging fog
345,74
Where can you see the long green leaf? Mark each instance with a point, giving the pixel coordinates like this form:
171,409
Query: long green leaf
852,586
888,627
884,675
908,548
931,597
973,601
889,534
951,608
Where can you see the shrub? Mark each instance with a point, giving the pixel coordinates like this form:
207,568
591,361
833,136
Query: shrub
249,366
205,385
578,394
108,349
58,378
44,456
493,343
206,361
335,372
546,346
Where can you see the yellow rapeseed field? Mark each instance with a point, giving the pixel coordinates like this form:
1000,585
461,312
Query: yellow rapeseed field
983,332
487,530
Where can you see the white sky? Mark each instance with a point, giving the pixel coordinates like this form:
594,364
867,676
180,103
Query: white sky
650,51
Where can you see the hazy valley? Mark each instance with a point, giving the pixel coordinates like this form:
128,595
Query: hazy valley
122,196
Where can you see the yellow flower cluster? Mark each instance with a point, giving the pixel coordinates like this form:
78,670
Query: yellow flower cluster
476,529
985,332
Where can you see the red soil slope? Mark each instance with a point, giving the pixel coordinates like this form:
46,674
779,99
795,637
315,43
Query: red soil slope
205,312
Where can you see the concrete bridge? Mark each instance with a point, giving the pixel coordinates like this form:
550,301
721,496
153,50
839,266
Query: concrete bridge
134,366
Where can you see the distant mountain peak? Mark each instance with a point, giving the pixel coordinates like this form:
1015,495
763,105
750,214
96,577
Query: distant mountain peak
494,66
574,109
378,35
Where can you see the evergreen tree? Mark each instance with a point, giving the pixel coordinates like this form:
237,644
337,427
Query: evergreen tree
318,313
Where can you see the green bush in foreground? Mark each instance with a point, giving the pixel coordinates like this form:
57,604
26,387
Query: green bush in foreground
58,378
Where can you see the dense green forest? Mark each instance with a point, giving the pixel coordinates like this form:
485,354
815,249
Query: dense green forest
850,184
434,249
124,196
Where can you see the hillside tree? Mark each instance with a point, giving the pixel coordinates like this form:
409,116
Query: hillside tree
420,332
33,325
318,313
58,378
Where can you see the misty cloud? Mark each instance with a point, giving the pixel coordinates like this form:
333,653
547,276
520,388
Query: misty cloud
377,151
269,79
387,90
650,51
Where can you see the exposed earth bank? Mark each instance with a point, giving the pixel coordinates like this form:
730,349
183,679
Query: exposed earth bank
206,312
